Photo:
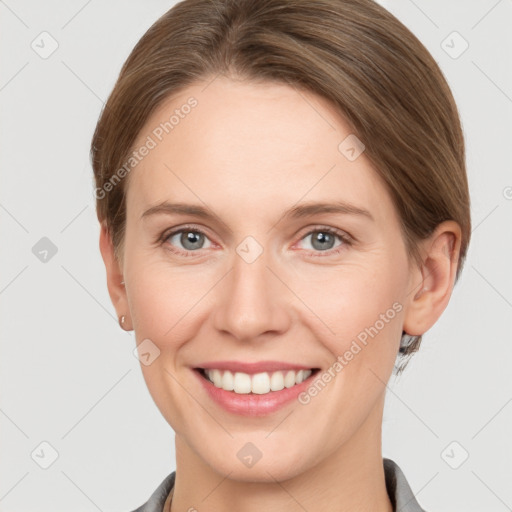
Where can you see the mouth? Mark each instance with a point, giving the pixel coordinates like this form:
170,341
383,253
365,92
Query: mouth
256,383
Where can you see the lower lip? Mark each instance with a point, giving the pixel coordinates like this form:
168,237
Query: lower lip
252,404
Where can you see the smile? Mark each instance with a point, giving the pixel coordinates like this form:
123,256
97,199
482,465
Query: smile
257,383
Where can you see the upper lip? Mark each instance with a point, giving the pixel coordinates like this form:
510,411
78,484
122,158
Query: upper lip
255,367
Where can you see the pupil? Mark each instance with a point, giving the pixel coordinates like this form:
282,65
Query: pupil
190,238
323,237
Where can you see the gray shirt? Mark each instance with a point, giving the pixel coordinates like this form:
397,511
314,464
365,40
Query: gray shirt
399,492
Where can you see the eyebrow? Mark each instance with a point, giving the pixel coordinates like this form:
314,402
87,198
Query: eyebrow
296,212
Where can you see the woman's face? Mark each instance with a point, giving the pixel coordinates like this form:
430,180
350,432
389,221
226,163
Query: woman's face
262,281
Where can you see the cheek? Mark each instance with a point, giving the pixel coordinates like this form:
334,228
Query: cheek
353,303
165,302
361,318
362,307
163,297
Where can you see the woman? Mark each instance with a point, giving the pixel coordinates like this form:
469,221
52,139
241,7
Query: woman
284,209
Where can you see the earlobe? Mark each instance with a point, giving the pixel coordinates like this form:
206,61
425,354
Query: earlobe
115,279
431,285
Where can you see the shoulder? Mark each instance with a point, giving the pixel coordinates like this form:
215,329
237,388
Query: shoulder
398,488
156,501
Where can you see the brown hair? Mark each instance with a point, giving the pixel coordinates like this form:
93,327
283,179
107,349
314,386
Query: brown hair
355,53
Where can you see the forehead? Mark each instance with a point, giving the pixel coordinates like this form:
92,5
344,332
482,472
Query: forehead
252,146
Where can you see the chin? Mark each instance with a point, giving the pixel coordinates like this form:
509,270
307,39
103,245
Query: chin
266,469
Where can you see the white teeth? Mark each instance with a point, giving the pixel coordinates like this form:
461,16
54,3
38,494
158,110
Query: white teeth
258,383
289,379
217,378
228,381
242,383
277,381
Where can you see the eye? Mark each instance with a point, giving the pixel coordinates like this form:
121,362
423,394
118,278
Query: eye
323,239
187,239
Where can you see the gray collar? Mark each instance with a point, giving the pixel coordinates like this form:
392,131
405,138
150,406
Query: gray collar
399,491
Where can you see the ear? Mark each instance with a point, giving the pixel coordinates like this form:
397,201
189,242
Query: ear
115,279
431,285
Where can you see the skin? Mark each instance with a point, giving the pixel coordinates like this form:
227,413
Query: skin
249,152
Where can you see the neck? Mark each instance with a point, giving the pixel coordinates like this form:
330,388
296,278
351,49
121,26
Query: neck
351,478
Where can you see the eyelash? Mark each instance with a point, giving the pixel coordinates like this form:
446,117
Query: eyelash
346,239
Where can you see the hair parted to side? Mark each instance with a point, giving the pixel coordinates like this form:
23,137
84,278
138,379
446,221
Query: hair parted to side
355,53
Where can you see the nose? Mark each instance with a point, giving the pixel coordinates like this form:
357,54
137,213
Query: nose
252,301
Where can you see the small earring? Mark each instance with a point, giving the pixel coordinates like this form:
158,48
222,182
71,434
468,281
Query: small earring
121,321
122,282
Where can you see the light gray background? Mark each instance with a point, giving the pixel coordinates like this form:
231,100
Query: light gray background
68,375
